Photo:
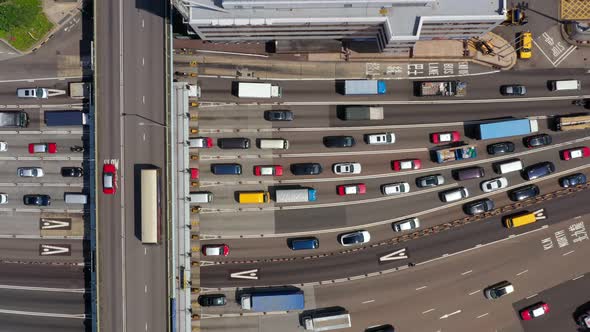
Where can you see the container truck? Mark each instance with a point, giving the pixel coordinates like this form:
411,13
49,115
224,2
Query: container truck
65,118
364,87
295,195
14,119
327,323
455,153
444,89
273,301
362,113
259,90
566,123
507,128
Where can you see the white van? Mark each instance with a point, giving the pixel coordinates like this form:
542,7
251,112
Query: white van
201,197
508,166
75,198
273,143
563,85
454,194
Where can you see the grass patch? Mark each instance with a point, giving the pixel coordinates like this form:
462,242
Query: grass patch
23,34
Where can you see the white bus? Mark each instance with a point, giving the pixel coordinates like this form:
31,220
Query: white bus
151,212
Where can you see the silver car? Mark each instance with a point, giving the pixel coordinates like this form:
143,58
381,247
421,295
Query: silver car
354,238
346,168
30,172
406,224
494,184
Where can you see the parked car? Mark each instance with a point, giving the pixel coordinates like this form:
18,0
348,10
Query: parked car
500,148
339,141
3,198
395,188
37,200
215,250
534,311
537,140
581,152
278,115
39,93
445,137
3,146
494,184
72,172
498,290
538,170
432,180
306,169
524,192
380,138
346,168
42,148
270,170
572,180
211,300
525,49
406,224
513,90
30,172
200,142
406,164
351,189
109,179
478,207
353,238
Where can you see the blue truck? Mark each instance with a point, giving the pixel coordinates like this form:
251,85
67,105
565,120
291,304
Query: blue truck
364,87
65,118
507,128
265,301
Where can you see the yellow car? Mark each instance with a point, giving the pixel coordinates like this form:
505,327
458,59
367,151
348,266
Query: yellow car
526,45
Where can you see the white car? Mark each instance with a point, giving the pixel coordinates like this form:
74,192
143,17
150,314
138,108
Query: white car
395,188
40,93
354,238
30,172
380,138
346,168
3,146
494,184
406,224
3,198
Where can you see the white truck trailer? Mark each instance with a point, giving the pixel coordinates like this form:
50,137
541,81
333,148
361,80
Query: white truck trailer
259,90
327,323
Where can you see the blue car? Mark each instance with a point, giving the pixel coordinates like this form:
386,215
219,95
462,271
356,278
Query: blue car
572,180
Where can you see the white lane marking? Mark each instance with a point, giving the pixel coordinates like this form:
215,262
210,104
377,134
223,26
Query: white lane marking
44,289
142,23
569,252
419,288
466,272
42,314
369,301
531,296
146,326
565,54
143,61
145,251
480,316
522,272
475,292
248,274
451,314
143,99
145,288
42,79
122,181
578,217
578,277
427,311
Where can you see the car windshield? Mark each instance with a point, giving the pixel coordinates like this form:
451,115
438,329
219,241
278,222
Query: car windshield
353,238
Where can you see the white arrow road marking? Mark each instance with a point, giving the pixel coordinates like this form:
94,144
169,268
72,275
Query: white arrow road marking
250,274
396,255
51,223
47,249
449,315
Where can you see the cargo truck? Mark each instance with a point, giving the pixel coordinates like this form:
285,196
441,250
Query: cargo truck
295,195
362,113
443,89
566,123
65,118
258,90
14,119
455,153
326,323
507,128
273,301
364,87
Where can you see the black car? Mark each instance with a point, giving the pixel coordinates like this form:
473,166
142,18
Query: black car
430,181
537,140
38,200
211,300
278,115
522,193
513,90
572,180
538,170
381,328
306,169
72,172
500,147
339,141
478,207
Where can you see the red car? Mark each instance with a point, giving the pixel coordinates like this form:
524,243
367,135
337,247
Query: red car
194,173
534,311
109,179
42,148
445,137
581,152
352,189
406,164
270,170
215,250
